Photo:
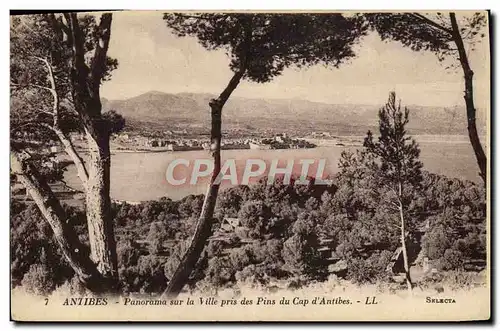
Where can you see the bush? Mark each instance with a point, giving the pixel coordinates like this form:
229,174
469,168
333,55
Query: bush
253,274
151,275
38,280
254,215
128,253
301,256
176,254
157,236
74,287
452,259
436,241
214,248
33,243
462,280
371,270
239,258
219,271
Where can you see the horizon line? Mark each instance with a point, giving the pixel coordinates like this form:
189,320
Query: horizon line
276,98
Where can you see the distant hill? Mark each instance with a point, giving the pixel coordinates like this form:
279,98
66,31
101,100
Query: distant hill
301,116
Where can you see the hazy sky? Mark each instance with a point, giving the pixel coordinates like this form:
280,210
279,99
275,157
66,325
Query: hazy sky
152,58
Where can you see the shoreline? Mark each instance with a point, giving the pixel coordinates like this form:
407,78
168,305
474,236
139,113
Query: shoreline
333,141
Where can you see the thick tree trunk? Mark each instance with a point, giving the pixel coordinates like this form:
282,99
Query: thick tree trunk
404,250
469,99
204,225
98,208
75,253
86,80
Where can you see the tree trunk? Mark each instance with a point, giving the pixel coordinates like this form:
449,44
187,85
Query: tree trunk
86,79
469,99
75,253
98,208
406,263
86,98
405,257
204,225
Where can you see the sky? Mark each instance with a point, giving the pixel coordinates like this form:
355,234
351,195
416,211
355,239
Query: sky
151,58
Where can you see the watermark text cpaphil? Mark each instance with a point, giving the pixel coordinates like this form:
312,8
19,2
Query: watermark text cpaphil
248,171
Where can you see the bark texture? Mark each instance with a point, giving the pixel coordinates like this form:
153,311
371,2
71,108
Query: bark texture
469,99
98,208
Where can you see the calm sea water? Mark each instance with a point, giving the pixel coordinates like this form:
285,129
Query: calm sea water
141,176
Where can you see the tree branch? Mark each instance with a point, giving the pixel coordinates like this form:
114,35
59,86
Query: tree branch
78,42
81,91
98,65
432,23
394,204
52,89
68,145
78,161
192,16
15,85
60,27
235,80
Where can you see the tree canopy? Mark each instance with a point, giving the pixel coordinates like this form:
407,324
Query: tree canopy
427,32
40,63
269,43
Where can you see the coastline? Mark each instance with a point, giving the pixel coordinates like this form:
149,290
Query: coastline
339,141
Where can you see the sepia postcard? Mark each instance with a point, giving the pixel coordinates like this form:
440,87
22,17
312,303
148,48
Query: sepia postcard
250,166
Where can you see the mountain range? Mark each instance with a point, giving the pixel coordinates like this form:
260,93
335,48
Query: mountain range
190,110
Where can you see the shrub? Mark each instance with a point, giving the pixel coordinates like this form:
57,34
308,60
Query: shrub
253,274
157,237
128,253
214,248
74,287
436,241
38,280
176,254
301,256
239,258
219,271
254,215
151,275
370,270
452,259
462,279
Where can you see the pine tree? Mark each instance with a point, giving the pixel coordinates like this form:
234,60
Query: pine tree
260,47
55,93
398,167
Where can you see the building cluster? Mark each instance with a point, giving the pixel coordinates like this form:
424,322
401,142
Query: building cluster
319,135
278,141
